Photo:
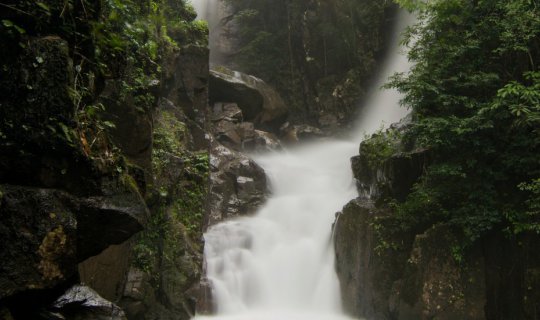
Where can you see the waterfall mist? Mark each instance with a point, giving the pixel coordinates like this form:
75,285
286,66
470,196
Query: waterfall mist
279,263
220,42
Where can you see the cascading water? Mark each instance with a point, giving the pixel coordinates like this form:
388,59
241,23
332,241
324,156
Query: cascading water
213,11
279,264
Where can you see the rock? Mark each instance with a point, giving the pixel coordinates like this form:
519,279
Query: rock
205,303
227,111
329,122
388,271
226,132
414,277
102,221
112,262
38,232
262,142
185,73
82,303
300,133
366,274
230,131
259,103
435,285
238,184
48,231
132,131
393,178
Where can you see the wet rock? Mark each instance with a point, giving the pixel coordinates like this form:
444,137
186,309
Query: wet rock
238,184
102,221
46,232
112,262
38,235
229,129
394,175
227,133
261,142
435,285
300,133
82,303
259,103
186,76
407,277
365,273
205,303
227,111
329,122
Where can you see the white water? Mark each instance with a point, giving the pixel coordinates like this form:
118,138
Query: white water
279,264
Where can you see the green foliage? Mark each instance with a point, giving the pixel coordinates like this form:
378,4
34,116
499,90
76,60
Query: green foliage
380,146
474,92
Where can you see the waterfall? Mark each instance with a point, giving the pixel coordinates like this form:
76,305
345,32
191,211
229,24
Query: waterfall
279,263
220,42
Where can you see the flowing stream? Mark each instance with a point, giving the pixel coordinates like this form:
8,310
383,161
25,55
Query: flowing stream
279,264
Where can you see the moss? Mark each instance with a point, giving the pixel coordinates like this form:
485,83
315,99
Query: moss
51,249
190,206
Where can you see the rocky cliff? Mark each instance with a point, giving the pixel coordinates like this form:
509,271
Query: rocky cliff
102,134
390,268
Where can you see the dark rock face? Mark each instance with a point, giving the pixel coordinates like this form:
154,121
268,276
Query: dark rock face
435,285
366,277
238,184
39,240
416,279
132,132
53,230
160,277
394,178
259,103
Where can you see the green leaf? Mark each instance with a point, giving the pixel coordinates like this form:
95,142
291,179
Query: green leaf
43,6
8,23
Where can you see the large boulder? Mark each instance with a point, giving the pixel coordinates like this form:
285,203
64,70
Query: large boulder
82,303
259,102
45,233
237,184
38,232
230,130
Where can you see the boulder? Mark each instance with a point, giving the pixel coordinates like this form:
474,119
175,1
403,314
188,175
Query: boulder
395,177
46,232
112,262
261,141
227,111
82,303
38,232
229,129
259,102
300,133
237,184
